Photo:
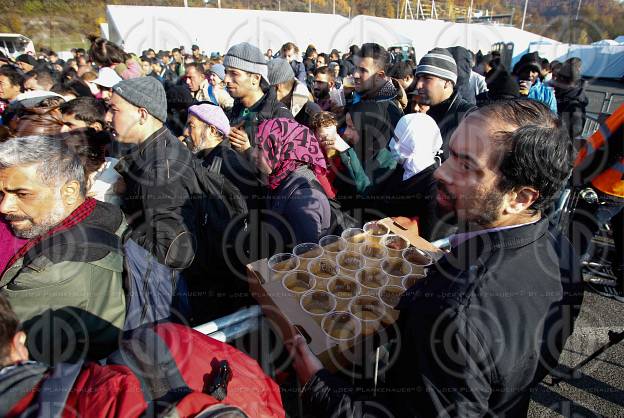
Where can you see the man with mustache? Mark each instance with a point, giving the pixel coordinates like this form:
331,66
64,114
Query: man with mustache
65,282
489,321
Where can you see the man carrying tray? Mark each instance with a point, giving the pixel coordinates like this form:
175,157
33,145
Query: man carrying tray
491,319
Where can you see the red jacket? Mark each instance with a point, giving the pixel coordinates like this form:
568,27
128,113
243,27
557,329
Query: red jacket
115,391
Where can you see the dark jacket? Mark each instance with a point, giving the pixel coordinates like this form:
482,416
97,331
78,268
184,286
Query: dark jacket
463,59
233,167
476,334
160,183
78,285
299,209
299,70
375,118
571,104
414,197
447,115
268,107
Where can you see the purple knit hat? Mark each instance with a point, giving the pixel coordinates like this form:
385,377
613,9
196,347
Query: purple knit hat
212,115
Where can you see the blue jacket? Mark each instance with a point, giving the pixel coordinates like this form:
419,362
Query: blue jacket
541,92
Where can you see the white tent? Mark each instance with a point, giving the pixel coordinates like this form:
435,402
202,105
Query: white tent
600,59
140,27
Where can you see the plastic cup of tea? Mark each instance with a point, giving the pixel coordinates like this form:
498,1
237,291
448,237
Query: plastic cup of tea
344,289
369,310
394,244
349,262
373,254
354,237
332,245
418,259
322,270
308,251
342,327
375,231
396,268
371,279
298,282
411,279
318,303
281,264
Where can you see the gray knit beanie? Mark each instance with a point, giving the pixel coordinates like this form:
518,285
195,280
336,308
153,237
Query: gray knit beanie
145,92
280,71
246,57
440,63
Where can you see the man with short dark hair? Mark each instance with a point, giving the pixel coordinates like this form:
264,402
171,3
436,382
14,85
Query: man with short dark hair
26,62
69,272
490,320
11,83
323,84
196,82
83,112
403,72
197,55
162,73
177,64
436,75
40,78
246,80
375,112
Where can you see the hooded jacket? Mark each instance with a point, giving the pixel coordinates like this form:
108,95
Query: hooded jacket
571,104
448,115
463,59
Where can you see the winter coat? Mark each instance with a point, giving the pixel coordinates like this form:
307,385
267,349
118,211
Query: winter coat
178,377
375,117
160,183
302,209
81,287
234,167
476,335
299,70
268,107
301,105
571,104
448,115
542,93
463,59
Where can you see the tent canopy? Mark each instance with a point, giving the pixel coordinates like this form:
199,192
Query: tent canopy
138,28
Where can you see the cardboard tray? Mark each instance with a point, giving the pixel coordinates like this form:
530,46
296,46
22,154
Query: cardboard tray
284,312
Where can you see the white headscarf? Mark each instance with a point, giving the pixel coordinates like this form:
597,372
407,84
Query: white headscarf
417,140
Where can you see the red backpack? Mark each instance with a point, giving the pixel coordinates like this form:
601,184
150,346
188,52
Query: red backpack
165,371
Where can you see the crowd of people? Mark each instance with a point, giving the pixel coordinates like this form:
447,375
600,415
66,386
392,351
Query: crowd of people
135,189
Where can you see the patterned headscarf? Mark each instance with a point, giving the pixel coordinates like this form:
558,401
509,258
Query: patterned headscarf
286,145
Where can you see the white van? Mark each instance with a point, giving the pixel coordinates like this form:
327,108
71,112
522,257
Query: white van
14,44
